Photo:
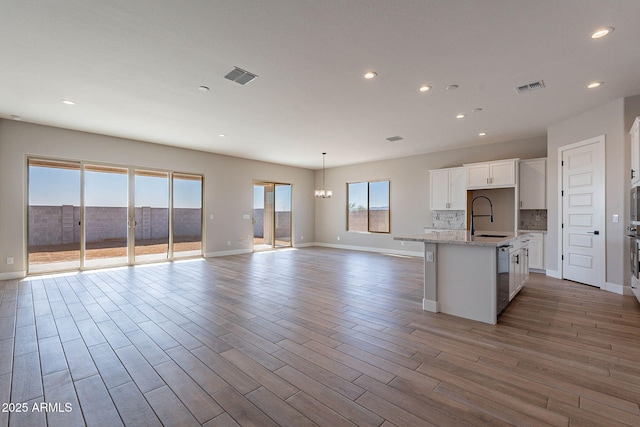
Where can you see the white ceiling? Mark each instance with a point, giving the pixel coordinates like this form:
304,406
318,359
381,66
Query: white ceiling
134,68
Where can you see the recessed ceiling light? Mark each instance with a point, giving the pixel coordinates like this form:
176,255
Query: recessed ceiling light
221,135
594,85
482,134
424,88
461,116
16,117
68,102
370,74
452,87
602,32
203,88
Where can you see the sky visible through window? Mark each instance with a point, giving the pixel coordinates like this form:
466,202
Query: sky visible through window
283,198
56,186
378,194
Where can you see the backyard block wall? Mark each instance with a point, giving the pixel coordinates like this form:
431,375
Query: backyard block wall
54,225
283,223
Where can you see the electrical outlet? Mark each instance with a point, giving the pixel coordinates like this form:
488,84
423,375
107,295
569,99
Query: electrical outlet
228,242
10,260
338,237
428,257
301,237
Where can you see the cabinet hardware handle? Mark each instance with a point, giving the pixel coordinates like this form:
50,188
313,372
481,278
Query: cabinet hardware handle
633,174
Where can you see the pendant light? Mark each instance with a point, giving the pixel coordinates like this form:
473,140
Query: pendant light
323,193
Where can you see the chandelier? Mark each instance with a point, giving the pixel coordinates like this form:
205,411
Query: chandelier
323,193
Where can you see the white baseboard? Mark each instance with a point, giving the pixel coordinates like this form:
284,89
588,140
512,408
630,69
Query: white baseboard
614,287
369,249
429,305
304,245
554,273
13,275
226,253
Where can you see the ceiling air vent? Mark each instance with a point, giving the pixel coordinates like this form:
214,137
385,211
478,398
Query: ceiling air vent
394,138
530,87
240,76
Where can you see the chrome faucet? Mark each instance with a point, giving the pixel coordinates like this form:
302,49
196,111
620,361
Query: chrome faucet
475,216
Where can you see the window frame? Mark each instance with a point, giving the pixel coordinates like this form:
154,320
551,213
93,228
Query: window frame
368,207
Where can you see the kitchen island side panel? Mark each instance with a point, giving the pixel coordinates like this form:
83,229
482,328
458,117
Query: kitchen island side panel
466,281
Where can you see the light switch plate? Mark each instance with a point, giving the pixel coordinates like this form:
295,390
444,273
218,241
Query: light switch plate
616,218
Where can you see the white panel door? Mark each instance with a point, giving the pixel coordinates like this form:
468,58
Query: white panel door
583,214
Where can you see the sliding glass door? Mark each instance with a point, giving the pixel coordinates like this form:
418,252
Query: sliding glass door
91,215
53,217
282,215
105,216
271,215
151,216
187,215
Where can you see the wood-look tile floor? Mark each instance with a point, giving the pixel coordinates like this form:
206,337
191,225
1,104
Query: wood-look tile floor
308,337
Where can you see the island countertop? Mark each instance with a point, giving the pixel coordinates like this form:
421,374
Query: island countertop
463,237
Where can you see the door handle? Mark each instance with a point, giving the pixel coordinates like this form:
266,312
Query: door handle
596,232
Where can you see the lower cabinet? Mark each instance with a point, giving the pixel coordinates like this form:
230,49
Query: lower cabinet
536,251
519,266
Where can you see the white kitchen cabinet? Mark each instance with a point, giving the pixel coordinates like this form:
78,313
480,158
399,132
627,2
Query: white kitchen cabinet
533,184
501,173
536,251
448,190
635,152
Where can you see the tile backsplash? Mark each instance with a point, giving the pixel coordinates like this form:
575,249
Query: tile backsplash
451,220
533,219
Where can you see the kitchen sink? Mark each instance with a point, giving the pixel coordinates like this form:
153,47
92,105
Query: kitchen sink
491,235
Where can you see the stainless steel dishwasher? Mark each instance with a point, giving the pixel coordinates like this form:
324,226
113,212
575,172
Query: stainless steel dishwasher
502,291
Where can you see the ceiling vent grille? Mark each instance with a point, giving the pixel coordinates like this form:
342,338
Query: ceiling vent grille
530,87
240,76
394,138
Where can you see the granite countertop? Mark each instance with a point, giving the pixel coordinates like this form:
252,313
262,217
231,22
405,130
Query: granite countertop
463,237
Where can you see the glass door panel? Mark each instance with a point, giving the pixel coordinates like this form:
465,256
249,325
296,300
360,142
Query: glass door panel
53,236
282,215
187,215
262,218
151,216
106,203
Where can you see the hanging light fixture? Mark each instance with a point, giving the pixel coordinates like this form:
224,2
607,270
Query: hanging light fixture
323,193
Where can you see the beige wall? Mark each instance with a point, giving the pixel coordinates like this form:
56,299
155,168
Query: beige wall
612,120
409,178
228,184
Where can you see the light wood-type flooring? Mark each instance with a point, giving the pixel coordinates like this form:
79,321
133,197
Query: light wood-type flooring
313,336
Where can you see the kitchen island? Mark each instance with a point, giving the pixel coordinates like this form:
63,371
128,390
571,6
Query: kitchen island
461,272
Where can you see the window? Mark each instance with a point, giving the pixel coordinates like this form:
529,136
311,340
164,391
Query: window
368,207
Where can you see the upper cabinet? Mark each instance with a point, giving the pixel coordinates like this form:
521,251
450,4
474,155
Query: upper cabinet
501,173
448,191
533,184
635,152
